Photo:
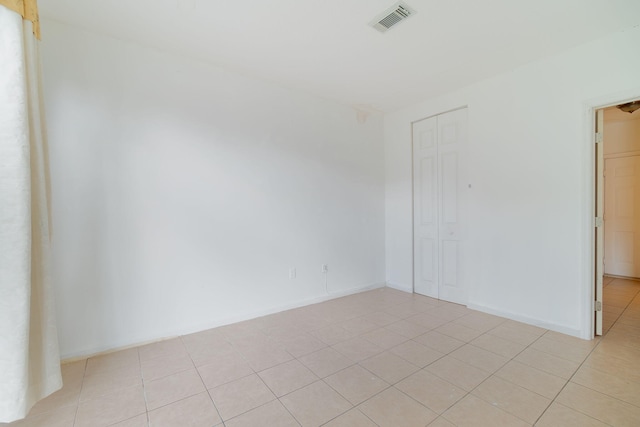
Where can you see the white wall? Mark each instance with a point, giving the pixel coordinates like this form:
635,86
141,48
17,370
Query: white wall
531,175
183,193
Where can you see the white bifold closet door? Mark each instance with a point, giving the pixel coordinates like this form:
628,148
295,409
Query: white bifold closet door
439,189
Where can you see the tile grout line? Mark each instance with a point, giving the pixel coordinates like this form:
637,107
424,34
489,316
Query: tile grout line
277,398
144,387
434,361
513,358
623,311
206,390
441,415
551,400
494,374
84,371
565,385
358,364
580,366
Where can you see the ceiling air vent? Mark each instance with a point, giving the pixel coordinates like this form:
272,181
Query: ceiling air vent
392,16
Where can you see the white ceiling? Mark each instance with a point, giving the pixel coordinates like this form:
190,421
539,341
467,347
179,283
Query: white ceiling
325,47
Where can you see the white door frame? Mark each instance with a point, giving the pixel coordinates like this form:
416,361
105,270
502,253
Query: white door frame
599,228
589,200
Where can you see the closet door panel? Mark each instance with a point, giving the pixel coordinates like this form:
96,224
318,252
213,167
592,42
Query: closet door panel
425,205
452,141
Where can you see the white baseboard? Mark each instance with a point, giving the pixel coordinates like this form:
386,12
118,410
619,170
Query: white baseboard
66,358
399,287
529,320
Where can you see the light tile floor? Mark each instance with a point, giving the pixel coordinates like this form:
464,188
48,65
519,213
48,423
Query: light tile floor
378,358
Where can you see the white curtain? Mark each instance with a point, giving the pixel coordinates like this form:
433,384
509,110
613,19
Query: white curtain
29,355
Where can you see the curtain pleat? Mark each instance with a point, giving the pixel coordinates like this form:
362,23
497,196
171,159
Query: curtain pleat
29,354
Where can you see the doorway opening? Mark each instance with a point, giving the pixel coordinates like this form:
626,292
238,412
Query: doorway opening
617,212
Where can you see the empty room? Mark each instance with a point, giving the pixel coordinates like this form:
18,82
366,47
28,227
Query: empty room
319,213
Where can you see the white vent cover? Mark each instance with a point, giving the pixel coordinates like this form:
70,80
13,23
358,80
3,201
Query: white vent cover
392,16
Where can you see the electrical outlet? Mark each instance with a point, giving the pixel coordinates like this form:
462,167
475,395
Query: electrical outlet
325,268
292,273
